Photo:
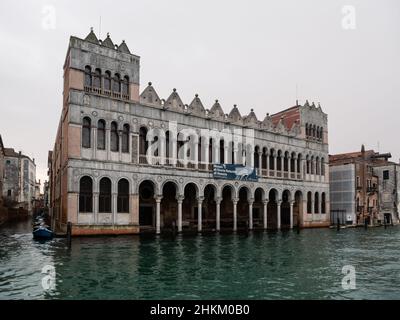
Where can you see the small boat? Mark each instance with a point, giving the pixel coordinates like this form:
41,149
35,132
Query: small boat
42,232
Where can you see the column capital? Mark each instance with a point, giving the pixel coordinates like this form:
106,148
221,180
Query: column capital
292,203
235,200
265,201
200,199
218,200
180,199
158,198
250,201
279,202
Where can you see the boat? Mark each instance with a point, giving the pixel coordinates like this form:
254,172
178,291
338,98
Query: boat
42,232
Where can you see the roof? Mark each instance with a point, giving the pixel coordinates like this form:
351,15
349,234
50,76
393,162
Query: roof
10,152
375,158
289,116
350,155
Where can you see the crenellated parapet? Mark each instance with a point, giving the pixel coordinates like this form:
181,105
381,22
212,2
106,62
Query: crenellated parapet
287,122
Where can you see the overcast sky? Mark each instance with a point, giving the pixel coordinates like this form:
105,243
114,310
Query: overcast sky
250,53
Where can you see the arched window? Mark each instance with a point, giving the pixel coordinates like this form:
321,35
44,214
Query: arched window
107,81
88,76
314,131
114,137
210,151
86,195
323,203
125,138
312,163
167,146
307,130
322,167
143,143
86,132
123,196
309,202
271,160
117,83
308,165
299,163
279,162
125,86
101,135
316,203
321,135
97,78
221,151
105,195
317,166
286,162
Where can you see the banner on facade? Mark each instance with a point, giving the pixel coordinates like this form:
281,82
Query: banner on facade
235,172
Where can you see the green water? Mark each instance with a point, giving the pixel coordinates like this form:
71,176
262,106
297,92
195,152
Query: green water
283,265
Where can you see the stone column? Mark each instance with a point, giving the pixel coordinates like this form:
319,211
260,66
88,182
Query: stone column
114,207
267,162
260,162
180,200
235,201
120,145
226,153
94,142
108,142
312,207
275,164
206,158
218,214
279,214
134,208
158,214
251,214
289,166
291,214
95,207
320,205
265,214
199,214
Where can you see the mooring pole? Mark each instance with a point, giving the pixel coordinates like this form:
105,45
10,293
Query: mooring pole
69,233
365,224
337,224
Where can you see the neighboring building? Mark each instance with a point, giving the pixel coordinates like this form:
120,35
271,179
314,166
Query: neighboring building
46,194
3,211
125,163
389,190
356,187
19,180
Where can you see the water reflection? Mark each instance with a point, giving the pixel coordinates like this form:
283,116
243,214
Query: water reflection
260,265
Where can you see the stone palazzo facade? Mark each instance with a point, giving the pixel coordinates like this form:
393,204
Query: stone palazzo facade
126,163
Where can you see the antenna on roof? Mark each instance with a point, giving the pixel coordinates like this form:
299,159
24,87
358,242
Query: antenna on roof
297,95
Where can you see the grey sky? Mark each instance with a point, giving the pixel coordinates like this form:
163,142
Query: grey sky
249,53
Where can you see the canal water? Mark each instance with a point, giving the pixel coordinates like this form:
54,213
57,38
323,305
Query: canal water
283,265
